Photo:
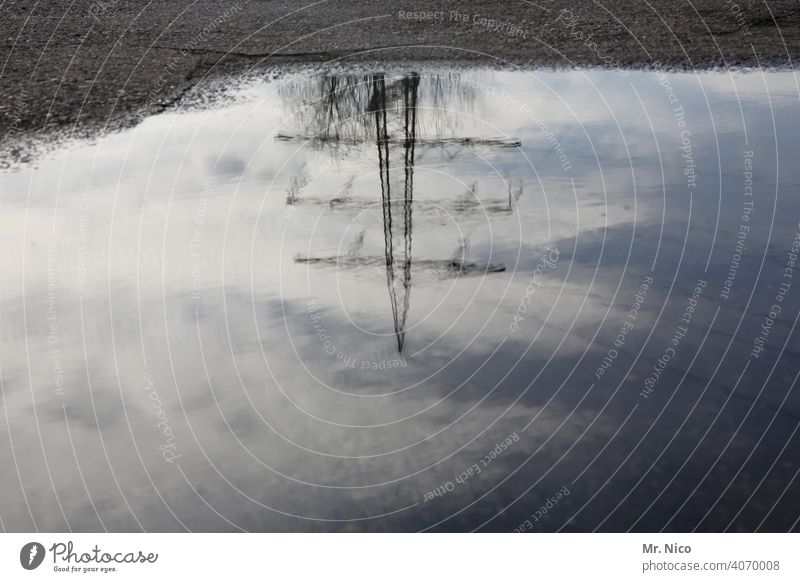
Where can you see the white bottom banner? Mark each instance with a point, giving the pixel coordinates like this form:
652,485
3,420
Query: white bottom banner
349,557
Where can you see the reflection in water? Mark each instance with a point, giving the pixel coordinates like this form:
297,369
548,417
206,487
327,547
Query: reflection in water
345,94
399,283
196,332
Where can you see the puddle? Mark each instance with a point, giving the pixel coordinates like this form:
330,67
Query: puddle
399,301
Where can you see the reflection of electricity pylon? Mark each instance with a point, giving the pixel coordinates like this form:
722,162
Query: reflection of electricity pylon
398,272
397,213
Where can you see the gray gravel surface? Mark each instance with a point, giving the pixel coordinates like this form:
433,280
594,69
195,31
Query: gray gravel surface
76,65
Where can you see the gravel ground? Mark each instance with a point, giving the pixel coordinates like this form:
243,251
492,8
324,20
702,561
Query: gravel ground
76,65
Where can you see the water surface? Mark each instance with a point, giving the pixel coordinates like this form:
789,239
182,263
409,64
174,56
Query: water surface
405,300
